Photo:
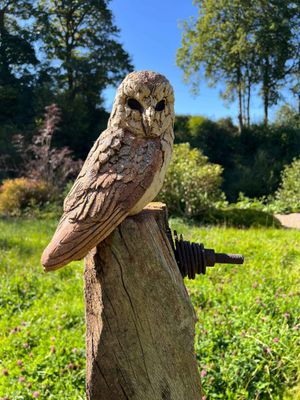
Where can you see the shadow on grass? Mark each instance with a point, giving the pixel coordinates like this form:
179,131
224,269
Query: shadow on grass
239,218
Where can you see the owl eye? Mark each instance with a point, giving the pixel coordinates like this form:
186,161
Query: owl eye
134,105
160,106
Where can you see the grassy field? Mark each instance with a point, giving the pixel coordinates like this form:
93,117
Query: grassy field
247,335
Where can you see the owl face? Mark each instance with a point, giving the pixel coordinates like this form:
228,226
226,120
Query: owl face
144,104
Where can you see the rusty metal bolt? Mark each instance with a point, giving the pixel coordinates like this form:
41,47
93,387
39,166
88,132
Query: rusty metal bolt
193,258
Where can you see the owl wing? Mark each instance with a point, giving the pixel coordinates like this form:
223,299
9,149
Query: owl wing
117,172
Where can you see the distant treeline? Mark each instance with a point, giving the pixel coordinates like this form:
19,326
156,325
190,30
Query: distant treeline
253,159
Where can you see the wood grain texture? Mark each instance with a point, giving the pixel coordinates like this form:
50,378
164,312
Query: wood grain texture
123,172
140,321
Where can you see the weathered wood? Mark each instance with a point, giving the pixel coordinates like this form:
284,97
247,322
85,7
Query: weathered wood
140,321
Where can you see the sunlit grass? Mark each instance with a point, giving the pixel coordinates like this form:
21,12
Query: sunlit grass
247,335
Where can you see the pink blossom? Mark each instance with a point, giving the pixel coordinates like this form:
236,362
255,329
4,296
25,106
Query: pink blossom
275,340
286,315
20,363
36,394
53,338
267,350
203,373
21,379
296,327
5,372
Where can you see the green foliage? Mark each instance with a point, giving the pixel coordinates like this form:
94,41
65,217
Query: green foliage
288,116
253,159
239,218
80,41
79,56
243,44
17,195
82,38
18,68
192,184
260,157
287,198
217,139
240,310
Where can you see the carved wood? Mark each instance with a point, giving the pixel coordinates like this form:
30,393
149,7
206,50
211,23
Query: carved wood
123,172
140,321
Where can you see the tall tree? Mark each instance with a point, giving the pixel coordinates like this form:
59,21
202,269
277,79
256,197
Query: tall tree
17,61
273,37
215,44
18,65
243,44
81,41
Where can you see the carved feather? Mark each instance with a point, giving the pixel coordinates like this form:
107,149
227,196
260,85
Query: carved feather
114,177
123,172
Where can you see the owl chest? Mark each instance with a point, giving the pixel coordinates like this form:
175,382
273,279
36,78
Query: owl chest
158,178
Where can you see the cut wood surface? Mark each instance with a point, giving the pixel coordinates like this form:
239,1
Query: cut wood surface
140,321
289,220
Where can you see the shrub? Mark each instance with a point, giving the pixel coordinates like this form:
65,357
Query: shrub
17,195
192,184
287,198
43,162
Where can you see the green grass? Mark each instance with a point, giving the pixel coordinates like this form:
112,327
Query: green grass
247,334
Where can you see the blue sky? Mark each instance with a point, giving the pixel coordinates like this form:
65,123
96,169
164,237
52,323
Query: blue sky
151,34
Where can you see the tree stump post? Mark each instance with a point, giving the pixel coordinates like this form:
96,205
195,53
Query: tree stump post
140,321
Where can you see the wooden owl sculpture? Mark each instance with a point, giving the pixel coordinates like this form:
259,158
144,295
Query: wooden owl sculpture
123,172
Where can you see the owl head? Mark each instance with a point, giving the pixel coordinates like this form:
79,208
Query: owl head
144,104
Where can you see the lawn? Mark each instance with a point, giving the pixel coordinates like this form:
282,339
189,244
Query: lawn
247,335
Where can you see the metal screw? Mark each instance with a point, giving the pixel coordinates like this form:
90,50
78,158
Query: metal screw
193,258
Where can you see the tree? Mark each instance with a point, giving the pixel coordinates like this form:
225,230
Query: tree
17,62
18,65
215,44
80,37
80,40
243,44
273,38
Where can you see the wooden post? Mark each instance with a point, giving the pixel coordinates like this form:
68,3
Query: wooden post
140,321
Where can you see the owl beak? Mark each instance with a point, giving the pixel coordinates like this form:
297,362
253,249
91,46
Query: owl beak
148,117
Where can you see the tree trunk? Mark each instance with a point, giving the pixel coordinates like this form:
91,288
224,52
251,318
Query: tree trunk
248,100
240,100
5,70
266,90
266,107
140,321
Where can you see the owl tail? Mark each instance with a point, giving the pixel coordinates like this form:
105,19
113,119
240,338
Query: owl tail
73,240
